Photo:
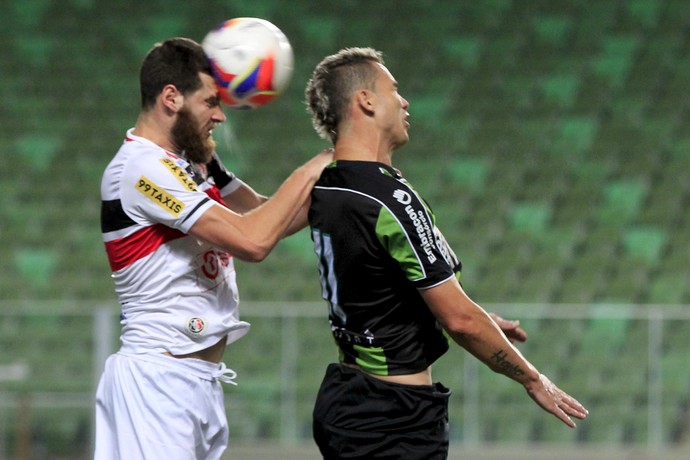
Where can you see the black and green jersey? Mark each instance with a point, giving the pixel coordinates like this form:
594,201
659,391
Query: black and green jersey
377,244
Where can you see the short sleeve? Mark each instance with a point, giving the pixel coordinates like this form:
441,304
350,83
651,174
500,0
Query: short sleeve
409,237
225,180
158,189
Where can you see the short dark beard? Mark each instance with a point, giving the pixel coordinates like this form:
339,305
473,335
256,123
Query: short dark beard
189,140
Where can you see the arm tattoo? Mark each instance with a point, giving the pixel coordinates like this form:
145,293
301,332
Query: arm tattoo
506,366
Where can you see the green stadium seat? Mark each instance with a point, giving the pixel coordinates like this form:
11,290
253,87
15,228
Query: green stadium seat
36,49
581,286
301,246
663,202
489,15
538,285
645,244
675,375
469,173
530,218
630,109
615,59
38,150
559,243
29,14
552,30
466,50
320,29
608,326
561,90
669,287
622,202
645,12
576,136
36,266
431,108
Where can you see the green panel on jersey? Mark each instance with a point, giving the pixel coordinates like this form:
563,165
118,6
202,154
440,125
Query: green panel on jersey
394,239
371,360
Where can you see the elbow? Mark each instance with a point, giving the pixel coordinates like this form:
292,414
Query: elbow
256,257
466,326
255,253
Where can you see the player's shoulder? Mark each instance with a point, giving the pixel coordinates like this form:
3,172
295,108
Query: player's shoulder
140,156
358,175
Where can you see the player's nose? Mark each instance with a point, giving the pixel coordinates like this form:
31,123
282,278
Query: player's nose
219,116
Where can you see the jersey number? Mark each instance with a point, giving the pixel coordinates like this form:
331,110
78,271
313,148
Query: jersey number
329,284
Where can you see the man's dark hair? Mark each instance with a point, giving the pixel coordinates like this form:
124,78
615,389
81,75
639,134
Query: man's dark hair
176,61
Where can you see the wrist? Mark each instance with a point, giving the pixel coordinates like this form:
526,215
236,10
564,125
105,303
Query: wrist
531,379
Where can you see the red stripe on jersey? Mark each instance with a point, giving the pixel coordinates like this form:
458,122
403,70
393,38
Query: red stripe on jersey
214,194
125,251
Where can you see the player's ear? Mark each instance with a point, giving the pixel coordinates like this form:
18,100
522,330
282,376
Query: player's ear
171,98
365,100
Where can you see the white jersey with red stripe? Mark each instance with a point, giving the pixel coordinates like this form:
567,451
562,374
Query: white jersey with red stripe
178,294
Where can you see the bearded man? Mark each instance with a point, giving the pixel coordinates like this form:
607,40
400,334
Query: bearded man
173,218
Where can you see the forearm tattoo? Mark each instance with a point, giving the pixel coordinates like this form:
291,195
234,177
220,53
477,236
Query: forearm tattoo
506,366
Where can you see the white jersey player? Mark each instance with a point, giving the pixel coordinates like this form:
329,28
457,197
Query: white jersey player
173,219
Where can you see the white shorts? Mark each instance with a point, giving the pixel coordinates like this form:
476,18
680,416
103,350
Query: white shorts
153,406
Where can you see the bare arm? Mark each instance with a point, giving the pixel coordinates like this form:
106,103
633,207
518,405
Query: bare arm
473,328
245,198
300,221
251,236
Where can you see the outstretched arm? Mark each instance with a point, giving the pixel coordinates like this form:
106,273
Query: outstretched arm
245,199
473,328
251,236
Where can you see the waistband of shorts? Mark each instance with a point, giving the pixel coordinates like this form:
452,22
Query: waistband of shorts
436,388
202,369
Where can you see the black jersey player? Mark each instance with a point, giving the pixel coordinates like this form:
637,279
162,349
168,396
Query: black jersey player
391,282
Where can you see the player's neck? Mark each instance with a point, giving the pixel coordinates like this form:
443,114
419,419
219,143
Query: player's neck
149,128
356,148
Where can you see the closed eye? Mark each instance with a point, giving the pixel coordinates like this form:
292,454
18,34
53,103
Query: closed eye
213,101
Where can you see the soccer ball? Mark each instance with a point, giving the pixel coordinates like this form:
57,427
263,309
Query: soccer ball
251,60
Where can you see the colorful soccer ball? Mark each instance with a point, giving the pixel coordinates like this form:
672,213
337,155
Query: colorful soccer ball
251,59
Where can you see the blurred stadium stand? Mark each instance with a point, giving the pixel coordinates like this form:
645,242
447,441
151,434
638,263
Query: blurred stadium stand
551,138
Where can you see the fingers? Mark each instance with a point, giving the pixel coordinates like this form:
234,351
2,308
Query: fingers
564,418
567,407
511,328
573,407
517,333
565,410
556,401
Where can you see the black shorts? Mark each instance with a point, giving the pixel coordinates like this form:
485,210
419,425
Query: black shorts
359,416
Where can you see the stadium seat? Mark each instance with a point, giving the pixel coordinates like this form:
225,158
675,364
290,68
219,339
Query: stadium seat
530,218
645,244
466,50
668,287
615,59
552,29
575,136
36,266
469,173
561,90
645,12
622,202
